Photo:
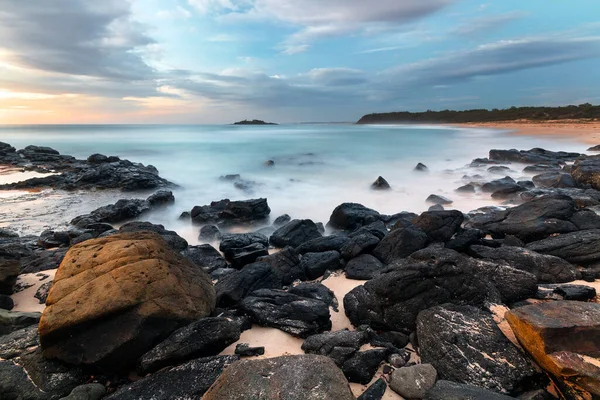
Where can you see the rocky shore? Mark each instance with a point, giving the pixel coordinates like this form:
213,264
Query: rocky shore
497,303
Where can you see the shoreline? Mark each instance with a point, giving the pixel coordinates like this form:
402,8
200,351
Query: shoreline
584,132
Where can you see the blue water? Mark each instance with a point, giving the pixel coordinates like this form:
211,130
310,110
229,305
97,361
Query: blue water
316,166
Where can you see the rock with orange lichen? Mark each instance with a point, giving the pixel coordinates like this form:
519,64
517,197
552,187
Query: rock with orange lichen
114,298
564,338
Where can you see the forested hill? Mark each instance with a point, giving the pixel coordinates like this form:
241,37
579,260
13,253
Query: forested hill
581,112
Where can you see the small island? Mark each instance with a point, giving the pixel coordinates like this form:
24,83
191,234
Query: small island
253,122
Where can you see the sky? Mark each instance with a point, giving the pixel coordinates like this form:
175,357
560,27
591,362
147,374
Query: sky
219,61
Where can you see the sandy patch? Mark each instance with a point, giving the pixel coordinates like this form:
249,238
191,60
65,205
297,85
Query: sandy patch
25,300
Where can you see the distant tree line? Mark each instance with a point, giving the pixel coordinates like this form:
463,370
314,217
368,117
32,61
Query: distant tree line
581,112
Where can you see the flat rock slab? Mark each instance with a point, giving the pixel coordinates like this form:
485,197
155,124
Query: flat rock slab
564,338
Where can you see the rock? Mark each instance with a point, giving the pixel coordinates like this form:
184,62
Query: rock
7,233
390,339
206,257
363,267
555,180
400,243
507,192
226,212
317,291
322,244
338,345
49,239
174,241
295,233
281,378
101,158
314,265
18,342
42,260
42,293
532,156
247,255
499,170
437,199
187,381
563,338
465,345
436,207
203,338
232,241
499,184
535,168
359,244
351,216
286,263
11,321
547,269
565,292
421,168
465,189
413,382
161,198
446,390
464,239
244,350
291,313
380,184
281,220
594,148
209,233
363,365
6,302
587,172
10,268
526,184
91,391
234,286
439,226
581,247
375,391
399,360
132,289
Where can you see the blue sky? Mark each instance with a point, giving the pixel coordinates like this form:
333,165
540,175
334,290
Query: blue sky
217,61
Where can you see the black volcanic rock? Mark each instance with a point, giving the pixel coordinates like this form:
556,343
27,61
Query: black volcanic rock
295,233
351,216
227,212
380,184
253,122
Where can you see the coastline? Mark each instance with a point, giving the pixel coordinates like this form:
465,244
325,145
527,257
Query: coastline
585,132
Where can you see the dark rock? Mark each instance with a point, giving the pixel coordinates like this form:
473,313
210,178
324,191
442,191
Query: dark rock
281,220
295,233
244,350
316,291
499,170
421,167
338,345
219,273
42,293
205,256
413,382
547,269
209,233
447,390
359,244
380,184
581,247
98,159
325,243
232,212
464,239
554,180
390,339
586,219
526,184
187,381
42,260
18,342
247,255
174,241
507,192
10,268
11,321
286,263
436,207
234,286
232,241
377,229
288,377
400,359
296,315
566,292
91,391
437,199
535,168
594,148
533,156
203,338
49,239
466,189
161,198
510,240
375,391
465,345
6,302
315,264
400,243
363,365
587,172
439,226
364,267
7,233
351,216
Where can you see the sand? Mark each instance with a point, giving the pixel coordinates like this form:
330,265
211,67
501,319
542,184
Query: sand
25,300
585,132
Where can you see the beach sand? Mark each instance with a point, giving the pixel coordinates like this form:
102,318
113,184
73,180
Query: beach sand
585,132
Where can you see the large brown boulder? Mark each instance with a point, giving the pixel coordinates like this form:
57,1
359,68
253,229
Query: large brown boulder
564,338
283,378
114,298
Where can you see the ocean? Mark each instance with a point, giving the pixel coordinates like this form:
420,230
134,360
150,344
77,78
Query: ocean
316,167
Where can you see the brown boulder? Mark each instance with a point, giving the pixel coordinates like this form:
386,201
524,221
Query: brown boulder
114,298
564,338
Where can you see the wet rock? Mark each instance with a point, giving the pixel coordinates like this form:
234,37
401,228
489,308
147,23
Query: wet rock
286,263
209,233
187,381
535,168
205,256
244,350
281,220
161,198
10,268
563,338
247,255
581,247
340,346
594,148
325,243
18,342
101,158
587,172
390,339
375,391
315,291
554,180
234,286
232,241
566,292
203,338
380,184
351,216
508,192
6,302
42,293
547,269
11,321
227,212
464,239
532,156
437,199
49,239
421,168
439,226
359,244
281,377
110,296
400,359
400,243
436,207
315,264
465,189
91,391
465,345
363,365
413,382
291,313
174,241
295,233
363,267
447,390
526,184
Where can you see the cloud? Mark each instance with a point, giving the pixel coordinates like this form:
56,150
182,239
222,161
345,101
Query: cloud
176,13
482,25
